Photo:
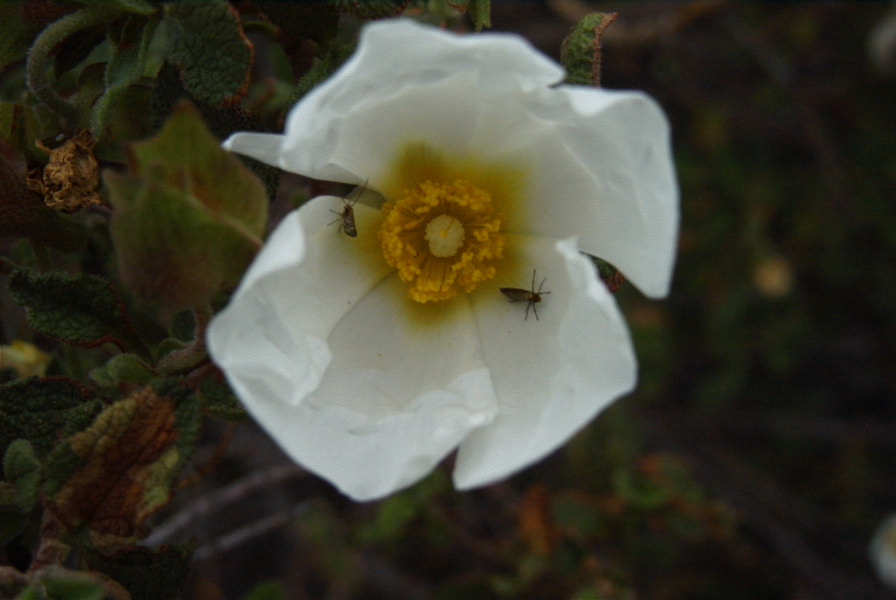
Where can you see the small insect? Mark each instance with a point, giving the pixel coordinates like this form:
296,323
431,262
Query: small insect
529,296
347,214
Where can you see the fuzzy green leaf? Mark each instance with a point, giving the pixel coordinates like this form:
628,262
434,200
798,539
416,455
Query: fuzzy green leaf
480,13
370,9
22,468
611,276
84,310
192,160
209,46
126,67
141,7
21,124
43,411
218,400
17,33
190,216
123,367
580,53
271,589
62,584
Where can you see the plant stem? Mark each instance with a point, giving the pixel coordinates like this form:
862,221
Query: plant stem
37,68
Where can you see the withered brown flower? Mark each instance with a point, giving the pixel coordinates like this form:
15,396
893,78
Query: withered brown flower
71,178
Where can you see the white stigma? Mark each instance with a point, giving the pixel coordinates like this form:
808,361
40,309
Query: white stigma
445,235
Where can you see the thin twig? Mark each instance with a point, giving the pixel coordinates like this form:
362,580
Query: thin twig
219,500
238,537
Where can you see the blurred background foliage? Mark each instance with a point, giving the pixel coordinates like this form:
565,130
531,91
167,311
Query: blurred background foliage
753,462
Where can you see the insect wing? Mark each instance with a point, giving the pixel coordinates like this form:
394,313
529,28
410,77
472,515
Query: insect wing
348,221
516,294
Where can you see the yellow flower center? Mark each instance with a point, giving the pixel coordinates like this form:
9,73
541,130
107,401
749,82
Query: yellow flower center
443,238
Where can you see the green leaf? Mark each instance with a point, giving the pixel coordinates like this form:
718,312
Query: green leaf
611,276
209,46
639,491
22,468
21,124
127,67
397,512
321,68
190,216
147,574
192,159
17,33
141,7
480,13
123,367
43,411
370,9
111,477
218,400
62,584
130,51
580,52
272,589
84,310
169,345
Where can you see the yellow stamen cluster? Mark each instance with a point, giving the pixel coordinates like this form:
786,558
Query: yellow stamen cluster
443,238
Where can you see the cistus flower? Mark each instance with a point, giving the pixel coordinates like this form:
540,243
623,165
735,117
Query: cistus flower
371,358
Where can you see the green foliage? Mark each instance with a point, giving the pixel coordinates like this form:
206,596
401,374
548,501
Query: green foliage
20,488
580,53
22,469
78,309
43,411
217,399
370,9
123,368
271,589
210,48
141,7
480,13
56,588
190,215
17,33
126,67
398,512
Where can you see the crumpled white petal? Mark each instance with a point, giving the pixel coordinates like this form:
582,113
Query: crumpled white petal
603,157
325,361
553,375
612,169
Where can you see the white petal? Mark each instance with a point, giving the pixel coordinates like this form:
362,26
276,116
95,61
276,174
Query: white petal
505,62
263,339
265,147
622,139
599,162
600,169
552,375
396,399
368,140
419,59
319,346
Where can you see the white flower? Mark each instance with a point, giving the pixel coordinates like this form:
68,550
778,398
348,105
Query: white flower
371,358
882,551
